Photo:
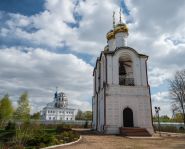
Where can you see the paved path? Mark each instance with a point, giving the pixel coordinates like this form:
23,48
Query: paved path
96,141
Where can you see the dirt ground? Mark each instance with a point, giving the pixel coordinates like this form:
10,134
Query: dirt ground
96,141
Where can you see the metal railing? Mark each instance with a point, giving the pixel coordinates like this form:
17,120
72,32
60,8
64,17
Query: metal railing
126,81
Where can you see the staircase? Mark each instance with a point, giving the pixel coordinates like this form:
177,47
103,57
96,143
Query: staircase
133,131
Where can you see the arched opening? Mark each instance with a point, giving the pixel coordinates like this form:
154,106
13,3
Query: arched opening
128,118
126,71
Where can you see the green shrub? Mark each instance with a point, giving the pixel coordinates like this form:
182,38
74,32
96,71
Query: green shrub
68,136
6,136
48,139
10,126
37,140
63,127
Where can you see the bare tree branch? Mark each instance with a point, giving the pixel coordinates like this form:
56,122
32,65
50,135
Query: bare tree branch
177,91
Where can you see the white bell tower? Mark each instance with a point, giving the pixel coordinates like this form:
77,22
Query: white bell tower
121,91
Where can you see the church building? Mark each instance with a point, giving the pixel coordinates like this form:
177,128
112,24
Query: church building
121,97
58,109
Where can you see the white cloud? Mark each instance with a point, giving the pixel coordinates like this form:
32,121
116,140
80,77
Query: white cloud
39,71
51,29
157,30
162,100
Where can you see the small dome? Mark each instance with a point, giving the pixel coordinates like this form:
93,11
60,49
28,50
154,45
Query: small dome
110,35
121,28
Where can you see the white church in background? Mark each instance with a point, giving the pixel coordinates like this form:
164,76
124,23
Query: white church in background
58,109
121,91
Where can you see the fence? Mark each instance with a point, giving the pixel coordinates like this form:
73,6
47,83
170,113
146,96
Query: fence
177,125
70,122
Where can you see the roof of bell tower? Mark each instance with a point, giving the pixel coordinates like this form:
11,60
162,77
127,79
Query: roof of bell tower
120,27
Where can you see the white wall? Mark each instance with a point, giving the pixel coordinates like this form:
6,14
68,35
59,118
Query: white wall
57,115
136,98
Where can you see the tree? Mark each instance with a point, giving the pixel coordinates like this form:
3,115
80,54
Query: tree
162,118
177,91
23,110
6,109
79,115
35,116
175,109
87,115
178,117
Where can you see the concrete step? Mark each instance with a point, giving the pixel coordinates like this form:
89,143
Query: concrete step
133,131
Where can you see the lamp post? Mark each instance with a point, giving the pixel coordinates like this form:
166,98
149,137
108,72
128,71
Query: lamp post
157,109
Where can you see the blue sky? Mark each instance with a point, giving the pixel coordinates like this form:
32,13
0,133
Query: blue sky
25,7
44,44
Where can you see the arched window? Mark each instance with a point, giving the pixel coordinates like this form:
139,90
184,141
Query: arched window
126,71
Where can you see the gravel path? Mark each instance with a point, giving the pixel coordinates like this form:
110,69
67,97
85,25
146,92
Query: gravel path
95,141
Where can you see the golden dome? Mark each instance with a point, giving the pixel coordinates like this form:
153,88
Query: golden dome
118,28
121,28
110,35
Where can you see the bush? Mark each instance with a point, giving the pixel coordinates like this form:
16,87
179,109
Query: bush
42,139
7,136
36,137
68,136
49,139
63,127
10,126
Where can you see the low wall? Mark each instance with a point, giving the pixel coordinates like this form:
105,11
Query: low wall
163,124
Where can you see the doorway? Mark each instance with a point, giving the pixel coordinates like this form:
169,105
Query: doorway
128,117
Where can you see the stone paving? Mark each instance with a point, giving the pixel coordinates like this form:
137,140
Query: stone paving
92,140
